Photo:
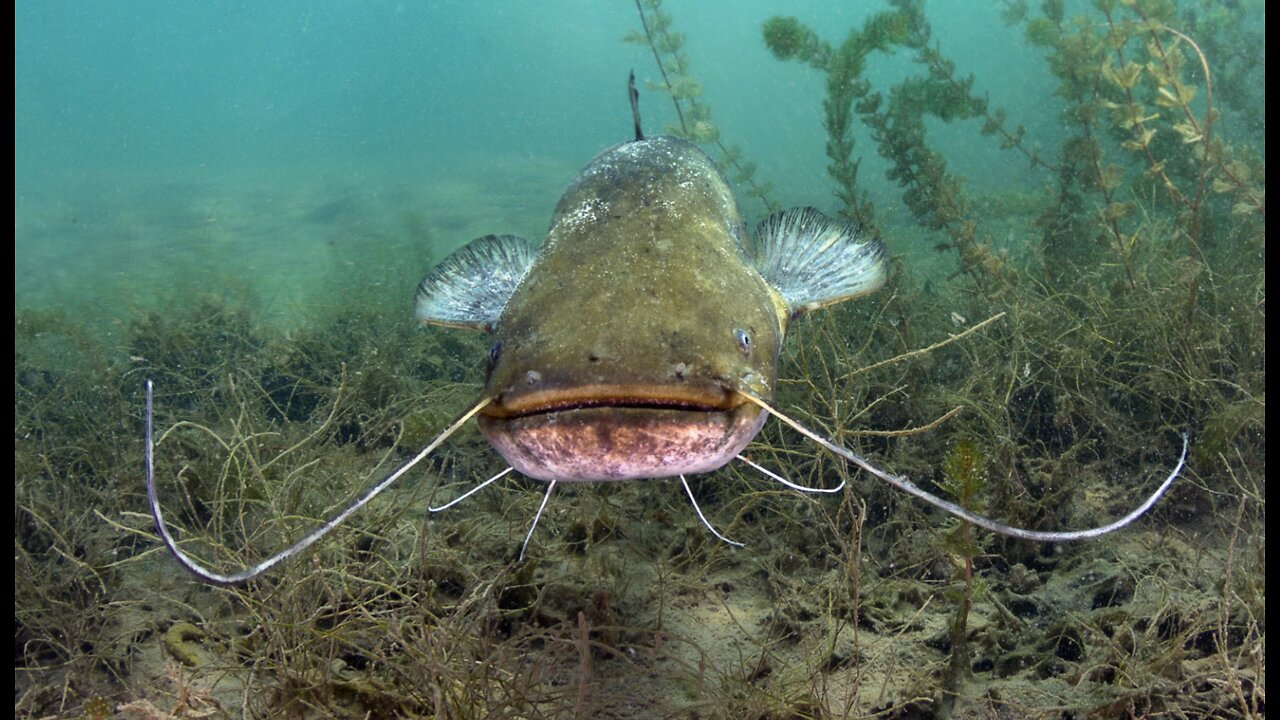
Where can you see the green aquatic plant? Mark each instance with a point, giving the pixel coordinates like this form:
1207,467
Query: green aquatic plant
72,624
1155,102
1221,31
964,477
1117,323
788,39
932,194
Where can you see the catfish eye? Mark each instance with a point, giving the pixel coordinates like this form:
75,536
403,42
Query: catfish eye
495,352
744,341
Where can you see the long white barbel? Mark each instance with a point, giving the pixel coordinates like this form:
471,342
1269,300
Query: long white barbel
911,488
309,539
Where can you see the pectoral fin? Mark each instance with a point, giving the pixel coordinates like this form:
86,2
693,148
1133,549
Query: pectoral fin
471,287
814,261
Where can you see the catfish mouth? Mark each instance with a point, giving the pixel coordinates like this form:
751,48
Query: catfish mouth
584,437
567,405
715,399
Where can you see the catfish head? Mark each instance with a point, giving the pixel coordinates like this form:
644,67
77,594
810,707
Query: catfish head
627,345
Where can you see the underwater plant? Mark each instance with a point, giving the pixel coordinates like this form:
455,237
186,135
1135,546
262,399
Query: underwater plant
1142,230
788,39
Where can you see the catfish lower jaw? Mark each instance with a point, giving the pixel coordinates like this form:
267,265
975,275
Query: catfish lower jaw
612,442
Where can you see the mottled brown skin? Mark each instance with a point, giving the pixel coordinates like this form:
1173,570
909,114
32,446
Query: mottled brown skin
621,354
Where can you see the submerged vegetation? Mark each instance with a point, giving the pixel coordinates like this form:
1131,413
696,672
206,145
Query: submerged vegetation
1135,311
